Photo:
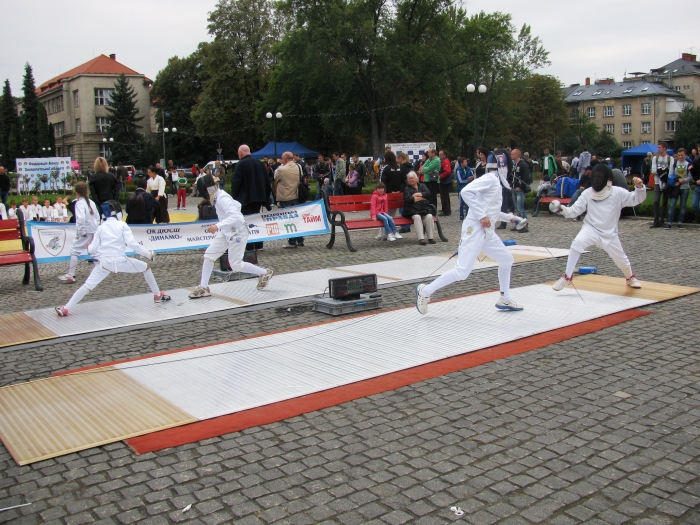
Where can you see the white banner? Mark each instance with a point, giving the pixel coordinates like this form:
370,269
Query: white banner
412,149
44,174
53,241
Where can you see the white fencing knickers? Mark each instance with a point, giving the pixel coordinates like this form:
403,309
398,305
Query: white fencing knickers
476,239
236,251
589,236
107,266
79,246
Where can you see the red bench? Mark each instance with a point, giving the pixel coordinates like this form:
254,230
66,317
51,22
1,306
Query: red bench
546,200
338,206
12,230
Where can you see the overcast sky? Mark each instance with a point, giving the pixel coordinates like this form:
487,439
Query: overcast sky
596,38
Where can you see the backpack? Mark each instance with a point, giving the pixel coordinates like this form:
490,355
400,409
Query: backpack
207,212
136,209
303,190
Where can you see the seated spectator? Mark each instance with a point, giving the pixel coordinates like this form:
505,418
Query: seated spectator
416,207
379,210
583,184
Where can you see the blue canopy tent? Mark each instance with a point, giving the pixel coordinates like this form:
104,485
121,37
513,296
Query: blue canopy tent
294,147
634,158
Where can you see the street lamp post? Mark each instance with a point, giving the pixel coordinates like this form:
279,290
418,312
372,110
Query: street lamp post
108,140
166,130
471,88
274,128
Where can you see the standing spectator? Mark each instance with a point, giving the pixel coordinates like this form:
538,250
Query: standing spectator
321,171
584,161
500,161
549,166
250,186
482,155
4,185
352,179
181,190
431,175
695,172
340,173
122,175
220,172
299,161
172,178
464,176
661,167
195,170
445,184
288,177
681,182
521,179
156,185
140,205
104,186
416,207
574,167
360,168
530,164
392,176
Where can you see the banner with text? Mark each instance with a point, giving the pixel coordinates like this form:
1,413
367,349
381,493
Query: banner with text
53,241
413,149
44,174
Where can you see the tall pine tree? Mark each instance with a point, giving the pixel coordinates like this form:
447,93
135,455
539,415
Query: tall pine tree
123,127
8,117
30,117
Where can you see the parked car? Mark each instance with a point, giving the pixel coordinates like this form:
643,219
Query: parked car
228,163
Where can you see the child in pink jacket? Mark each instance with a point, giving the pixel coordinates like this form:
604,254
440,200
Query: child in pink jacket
379,209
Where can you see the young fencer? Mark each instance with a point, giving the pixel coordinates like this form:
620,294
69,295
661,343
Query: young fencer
87,219
109,247
231,233
484,198
603,203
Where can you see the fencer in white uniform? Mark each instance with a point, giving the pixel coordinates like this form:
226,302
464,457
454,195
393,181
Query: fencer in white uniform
87,219
484,197
231,233
109,247
603,203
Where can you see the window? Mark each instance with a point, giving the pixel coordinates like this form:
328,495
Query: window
71,152
101,124
646,88
628,90
54,105
103,96
671,125
590,112
646,127
598,92
58,130
646,108
76,99
626,128
105,151
627,109
627,144
77,125
573,113
677,88
577,93
608,111
59,151
645,142
610,128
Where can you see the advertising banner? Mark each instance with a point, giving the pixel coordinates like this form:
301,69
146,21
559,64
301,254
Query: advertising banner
44,174
413,149
53,240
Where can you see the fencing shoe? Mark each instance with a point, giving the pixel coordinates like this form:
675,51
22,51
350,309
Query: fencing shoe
62,311
633,282
562,283
200,291
511,305
264,279
163,297
421,300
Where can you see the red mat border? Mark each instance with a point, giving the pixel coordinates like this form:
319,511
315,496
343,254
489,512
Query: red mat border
335,396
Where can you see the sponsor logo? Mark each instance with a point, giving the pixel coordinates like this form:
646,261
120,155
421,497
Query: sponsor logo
273,229
52,239
469,230
290,228
310,218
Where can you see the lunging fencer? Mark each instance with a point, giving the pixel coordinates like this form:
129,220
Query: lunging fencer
231,233
109,247
484,198
603,202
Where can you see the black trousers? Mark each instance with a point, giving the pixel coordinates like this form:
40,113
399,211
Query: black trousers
445,198
248,209
434,188
660,206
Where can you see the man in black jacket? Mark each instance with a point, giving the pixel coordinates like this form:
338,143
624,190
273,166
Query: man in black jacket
521,179
4,185
140,205
104,186
250,186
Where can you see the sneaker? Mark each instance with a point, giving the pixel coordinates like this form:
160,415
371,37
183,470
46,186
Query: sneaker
66,278
680,226
432,241
668,226
177,209
421,301
524,230
633,282
264,279
397,235
163,297
391,237
562,283
200,291
520,223
61,311
508,305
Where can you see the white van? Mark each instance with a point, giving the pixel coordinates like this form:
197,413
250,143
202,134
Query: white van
228,163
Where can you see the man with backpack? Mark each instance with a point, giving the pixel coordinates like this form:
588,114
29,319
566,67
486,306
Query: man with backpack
140,205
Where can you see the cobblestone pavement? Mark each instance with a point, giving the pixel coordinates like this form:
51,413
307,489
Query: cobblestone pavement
535,438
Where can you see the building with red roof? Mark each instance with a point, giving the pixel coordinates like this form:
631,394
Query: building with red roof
75,102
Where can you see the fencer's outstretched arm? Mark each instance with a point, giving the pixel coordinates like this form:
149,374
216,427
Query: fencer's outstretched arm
637,196
578,208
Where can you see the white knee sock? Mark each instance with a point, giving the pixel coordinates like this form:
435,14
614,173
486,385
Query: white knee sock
251,268
442,281
207,268
77,297
151,280
504,281
73,265
571,262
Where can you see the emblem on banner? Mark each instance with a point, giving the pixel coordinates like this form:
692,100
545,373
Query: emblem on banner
52,239
273,229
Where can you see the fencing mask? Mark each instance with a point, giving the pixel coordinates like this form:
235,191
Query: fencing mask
601,182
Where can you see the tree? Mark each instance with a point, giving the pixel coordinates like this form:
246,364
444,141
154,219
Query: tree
688,133
30,115
123,122
584,129
607,146
8,118
14,147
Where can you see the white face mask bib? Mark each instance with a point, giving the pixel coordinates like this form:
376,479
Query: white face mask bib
212,191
